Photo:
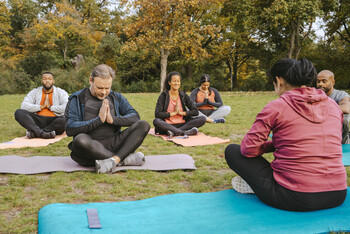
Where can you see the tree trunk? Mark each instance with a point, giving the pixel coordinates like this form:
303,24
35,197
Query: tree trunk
235,71
297,39
228,63
164,54
292,39
64,54
189,72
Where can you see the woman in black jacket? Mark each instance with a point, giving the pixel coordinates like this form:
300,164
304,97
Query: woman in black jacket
174,110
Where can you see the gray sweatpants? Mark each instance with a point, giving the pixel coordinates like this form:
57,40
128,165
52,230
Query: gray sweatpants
221,112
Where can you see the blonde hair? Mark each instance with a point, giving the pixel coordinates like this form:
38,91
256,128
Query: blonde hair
102,71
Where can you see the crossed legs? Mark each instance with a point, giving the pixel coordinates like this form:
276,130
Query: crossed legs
86,150
257,172
178,129
38,123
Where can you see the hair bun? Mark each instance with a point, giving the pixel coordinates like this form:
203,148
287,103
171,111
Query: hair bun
297,73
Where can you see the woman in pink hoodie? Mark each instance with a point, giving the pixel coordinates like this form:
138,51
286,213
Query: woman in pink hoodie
307,172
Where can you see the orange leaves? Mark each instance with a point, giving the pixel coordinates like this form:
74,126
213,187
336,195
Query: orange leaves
171,24
65,29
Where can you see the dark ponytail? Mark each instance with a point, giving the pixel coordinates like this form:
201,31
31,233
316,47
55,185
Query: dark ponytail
295,72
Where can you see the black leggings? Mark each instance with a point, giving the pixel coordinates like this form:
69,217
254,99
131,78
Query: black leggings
258,173
86,150
38,123
178,129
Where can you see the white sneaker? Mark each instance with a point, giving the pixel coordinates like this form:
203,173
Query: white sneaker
240,185
134,159
104,166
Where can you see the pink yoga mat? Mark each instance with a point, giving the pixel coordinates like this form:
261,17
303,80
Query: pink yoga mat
20,142
199,139
42,164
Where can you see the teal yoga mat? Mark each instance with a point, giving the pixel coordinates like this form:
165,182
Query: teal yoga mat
217,212
346,154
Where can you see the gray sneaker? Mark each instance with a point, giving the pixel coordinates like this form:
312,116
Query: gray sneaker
134,159
104,166
30,134
193,131
48,135
170,134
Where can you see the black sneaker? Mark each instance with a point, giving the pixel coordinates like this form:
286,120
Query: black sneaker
193,131
30,134
48,135
170,134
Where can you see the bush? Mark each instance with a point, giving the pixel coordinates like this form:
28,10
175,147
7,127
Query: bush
35,65
13,80
142,87
74,79
257,81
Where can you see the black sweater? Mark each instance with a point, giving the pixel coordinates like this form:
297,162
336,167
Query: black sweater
163,103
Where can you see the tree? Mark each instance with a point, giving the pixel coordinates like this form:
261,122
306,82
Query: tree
163,26
5,27
236,43
337,20
287,25
62,29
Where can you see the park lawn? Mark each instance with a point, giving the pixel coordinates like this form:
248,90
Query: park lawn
22,196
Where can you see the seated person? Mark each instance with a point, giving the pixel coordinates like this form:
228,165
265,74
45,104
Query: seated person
307,172
172,117
325,81
42,110
206,99
94,117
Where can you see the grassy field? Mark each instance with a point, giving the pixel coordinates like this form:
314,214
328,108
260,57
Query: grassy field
23,195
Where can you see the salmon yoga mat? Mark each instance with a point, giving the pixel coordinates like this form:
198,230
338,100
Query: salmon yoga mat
42,164
217,212
199,139
20,142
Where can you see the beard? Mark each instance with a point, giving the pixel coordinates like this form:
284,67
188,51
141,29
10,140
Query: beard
46,87
326,90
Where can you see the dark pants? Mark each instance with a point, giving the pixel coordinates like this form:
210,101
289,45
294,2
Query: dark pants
258,173
86,150
38,123
178,129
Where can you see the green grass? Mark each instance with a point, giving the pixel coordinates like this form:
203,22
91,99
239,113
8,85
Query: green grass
23,195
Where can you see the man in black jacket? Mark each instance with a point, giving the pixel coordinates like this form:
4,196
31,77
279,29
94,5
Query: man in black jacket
94,117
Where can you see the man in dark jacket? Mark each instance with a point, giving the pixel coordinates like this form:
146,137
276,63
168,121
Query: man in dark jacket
94,117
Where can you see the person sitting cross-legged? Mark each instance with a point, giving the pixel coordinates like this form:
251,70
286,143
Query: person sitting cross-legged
326,82
209,102
42,110
94,117
172,117
307,172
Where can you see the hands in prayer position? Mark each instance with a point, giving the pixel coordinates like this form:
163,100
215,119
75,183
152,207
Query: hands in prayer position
177,111
46,103
105,113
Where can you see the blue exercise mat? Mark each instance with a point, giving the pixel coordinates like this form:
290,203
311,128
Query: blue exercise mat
346,154
218,212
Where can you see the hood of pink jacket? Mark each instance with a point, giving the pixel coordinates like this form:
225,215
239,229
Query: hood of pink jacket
312,104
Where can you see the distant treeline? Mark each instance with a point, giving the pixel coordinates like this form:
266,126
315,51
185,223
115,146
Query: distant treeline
234,41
